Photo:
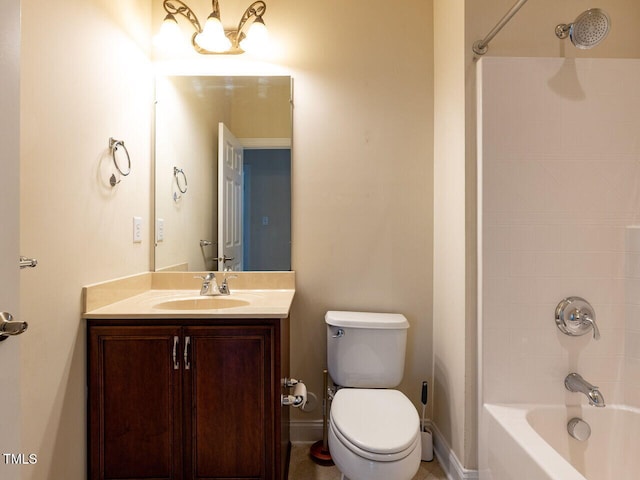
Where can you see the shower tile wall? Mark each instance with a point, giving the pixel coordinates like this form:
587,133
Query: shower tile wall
632,318
560,151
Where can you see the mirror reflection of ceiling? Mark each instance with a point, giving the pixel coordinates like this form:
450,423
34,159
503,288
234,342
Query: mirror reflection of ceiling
257,109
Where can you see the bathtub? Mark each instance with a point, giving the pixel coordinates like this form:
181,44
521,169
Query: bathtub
531,442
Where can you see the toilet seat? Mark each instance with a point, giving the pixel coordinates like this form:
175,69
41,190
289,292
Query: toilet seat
381,425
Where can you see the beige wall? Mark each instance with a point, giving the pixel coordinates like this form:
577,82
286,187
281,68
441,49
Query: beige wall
186,136
453,395
85,77
362,183
261,111
362,172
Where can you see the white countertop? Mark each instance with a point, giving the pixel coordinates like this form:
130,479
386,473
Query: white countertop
267,303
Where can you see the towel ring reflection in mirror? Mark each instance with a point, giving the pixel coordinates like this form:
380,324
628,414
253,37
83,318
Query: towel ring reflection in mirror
114,146
181,182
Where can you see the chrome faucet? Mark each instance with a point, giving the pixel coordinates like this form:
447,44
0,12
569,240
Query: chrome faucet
209,285
575,383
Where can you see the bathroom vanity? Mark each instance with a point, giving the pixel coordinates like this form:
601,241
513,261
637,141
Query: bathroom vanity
179,389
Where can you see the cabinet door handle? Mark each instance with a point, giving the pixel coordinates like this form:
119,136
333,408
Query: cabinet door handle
187,342
176,362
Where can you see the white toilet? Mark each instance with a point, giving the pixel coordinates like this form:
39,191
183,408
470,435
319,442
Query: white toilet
374,431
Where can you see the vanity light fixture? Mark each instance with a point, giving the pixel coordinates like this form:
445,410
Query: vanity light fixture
250,35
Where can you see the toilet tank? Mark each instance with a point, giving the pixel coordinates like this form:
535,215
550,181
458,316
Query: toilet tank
366,350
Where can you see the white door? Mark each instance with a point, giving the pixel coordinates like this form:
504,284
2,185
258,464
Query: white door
230,187
9,237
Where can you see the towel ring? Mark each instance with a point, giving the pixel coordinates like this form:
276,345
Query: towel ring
181,179
113,147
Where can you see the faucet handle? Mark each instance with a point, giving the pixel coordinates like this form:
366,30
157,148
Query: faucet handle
207,278
224,287
575,316
592,321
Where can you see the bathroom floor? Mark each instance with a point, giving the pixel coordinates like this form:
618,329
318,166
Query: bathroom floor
301,467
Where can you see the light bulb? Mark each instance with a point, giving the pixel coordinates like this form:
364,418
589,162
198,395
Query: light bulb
256,37
169,35
212,37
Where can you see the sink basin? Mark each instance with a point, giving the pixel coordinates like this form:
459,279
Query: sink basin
201,303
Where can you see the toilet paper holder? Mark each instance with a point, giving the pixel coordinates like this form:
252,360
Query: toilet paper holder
299,397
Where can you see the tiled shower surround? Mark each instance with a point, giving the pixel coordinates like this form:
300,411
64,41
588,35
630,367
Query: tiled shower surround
560,216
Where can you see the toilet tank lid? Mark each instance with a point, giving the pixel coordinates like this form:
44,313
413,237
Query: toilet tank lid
366,320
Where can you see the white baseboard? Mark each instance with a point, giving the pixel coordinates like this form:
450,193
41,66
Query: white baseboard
310,431
448,459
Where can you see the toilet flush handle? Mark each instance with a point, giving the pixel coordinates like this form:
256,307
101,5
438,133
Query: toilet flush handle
339,333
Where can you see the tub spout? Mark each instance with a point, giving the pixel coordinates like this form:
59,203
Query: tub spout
575,383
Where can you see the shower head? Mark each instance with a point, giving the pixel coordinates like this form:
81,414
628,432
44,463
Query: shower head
588,30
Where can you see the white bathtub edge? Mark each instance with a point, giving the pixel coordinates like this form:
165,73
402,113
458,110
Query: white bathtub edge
512,418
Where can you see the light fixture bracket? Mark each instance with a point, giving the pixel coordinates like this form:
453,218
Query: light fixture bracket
177,7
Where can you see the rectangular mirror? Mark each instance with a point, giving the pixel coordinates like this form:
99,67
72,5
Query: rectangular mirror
223,173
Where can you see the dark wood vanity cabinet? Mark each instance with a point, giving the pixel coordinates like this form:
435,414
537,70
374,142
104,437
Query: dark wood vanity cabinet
187,400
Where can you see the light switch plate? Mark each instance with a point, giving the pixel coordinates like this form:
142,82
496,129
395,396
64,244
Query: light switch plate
160,230
137,229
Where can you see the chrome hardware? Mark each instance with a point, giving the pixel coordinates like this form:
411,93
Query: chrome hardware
8,327
176,363
209,284
291,400
575,383
187,342
27,262
575,316
339,333
289,382
299,397
579,429
113,148
225,259
224,288
181,184
481,47
331,392
592,321
205,243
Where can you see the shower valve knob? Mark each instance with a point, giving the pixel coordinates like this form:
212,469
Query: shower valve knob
575,316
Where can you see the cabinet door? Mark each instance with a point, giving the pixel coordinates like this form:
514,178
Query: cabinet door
229,403
135,417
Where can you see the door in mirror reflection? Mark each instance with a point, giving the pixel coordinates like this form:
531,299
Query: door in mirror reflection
230,195
254,205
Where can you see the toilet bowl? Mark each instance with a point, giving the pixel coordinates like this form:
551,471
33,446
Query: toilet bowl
374,434
374,430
